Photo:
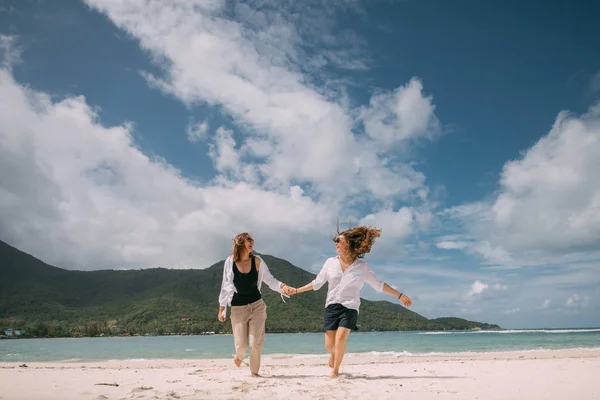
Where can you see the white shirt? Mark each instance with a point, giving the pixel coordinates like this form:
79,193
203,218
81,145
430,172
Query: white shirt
344,287
228,288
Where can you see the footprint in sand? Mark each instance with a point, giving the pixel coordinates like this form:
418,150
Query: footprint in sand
244,387
197,372
141,389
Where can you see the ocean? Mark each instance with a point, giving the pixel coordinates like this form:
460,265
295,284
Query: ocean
221,346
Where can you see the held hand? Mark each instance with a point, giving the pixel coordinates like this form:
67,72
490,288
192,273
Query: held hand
288,290
221,316
405,300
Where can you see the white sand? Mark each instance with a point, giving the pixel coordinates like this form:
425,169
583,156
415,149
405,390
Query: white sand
564,374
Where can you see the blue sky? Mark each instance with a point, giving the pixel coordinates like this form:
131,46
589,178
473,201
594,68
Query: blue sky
139,134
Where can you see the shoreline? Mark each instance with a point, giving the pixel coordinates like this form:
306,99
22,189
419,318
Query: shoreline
289,359
547,374
542,353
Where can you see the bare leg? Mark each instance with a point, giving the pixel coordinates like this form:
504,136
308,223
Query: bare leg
340,348
330,346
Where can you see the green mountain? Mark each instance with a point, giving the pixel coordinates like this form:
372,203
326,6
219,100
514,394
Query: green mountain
47,301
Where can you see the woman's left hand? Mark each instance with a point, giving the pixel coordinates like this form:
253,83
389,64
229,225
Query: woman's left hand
405,300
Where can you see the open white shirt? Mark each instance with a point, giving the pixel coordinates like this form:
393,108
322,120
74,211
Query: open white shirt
228,288
345,286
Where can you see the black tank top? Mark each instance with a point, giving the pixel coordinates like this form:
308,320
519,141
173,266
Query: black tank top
246,285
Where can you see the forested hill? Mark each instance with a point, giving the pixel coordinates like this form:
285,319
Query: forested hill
47,301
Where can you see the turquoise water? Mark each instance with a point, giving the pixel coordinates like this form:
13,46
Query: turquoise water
221,346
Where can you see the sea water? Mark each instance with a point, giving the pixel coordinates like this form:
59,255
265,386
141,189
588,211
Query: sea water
221,346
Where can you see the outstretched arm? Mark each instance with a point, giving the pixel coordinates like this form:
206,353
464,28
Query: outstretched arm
305,288
314,285
400,296
381,286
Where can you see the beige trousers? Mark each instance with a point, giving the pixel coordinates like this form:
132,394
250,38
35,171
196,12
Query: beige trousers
248,323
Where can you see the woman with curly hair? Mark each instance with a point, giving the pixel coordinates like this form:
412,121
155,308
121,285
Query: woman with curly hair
346,275
243,274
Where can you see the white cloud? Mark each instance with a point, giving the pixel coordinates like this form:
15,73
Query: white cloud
396,226
576,301
196,131
223,151
512,310
81,195
251,67
10,53
452,245
477,288
548,203
285,167
399,115
397,223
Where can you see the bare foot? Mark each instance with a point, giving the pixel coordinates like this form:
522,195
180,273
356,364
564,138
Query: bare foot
331,359
256,375
237,361
334,374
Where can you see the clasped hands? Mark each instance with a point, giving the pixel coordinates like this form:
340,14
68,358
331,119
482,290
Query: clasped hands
288,290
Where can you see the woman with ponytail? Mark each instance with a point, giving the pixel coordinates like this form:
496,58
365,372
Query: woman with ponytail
346,275
243,274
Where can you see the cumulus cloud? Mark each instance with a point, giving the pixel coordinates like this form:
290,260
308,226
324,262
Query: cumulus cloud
287,166
196,131
223,151
249,65
548,202
397,226
477,288
404,113
79,194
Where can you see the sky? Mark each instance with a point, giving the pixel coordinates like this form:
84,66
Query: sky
148,133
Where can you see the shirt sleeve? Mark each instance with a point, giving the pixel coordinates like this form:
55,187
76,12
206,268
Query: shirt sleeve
267,278
321,278
372,280
227,286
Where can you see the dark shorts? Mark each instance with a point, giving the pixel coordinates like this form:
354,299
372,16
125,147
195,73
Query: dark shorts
336,315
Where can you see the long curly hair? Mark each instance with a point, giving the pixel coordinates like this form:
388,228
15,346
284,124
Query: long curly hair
360,239
239,245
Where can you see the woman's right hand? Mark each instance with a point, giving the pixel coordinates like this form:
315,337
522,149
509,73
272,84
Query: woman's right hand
288,290
221,316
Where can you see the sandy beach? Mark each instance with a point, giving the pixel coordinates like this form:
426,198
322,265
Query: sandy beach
560,374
